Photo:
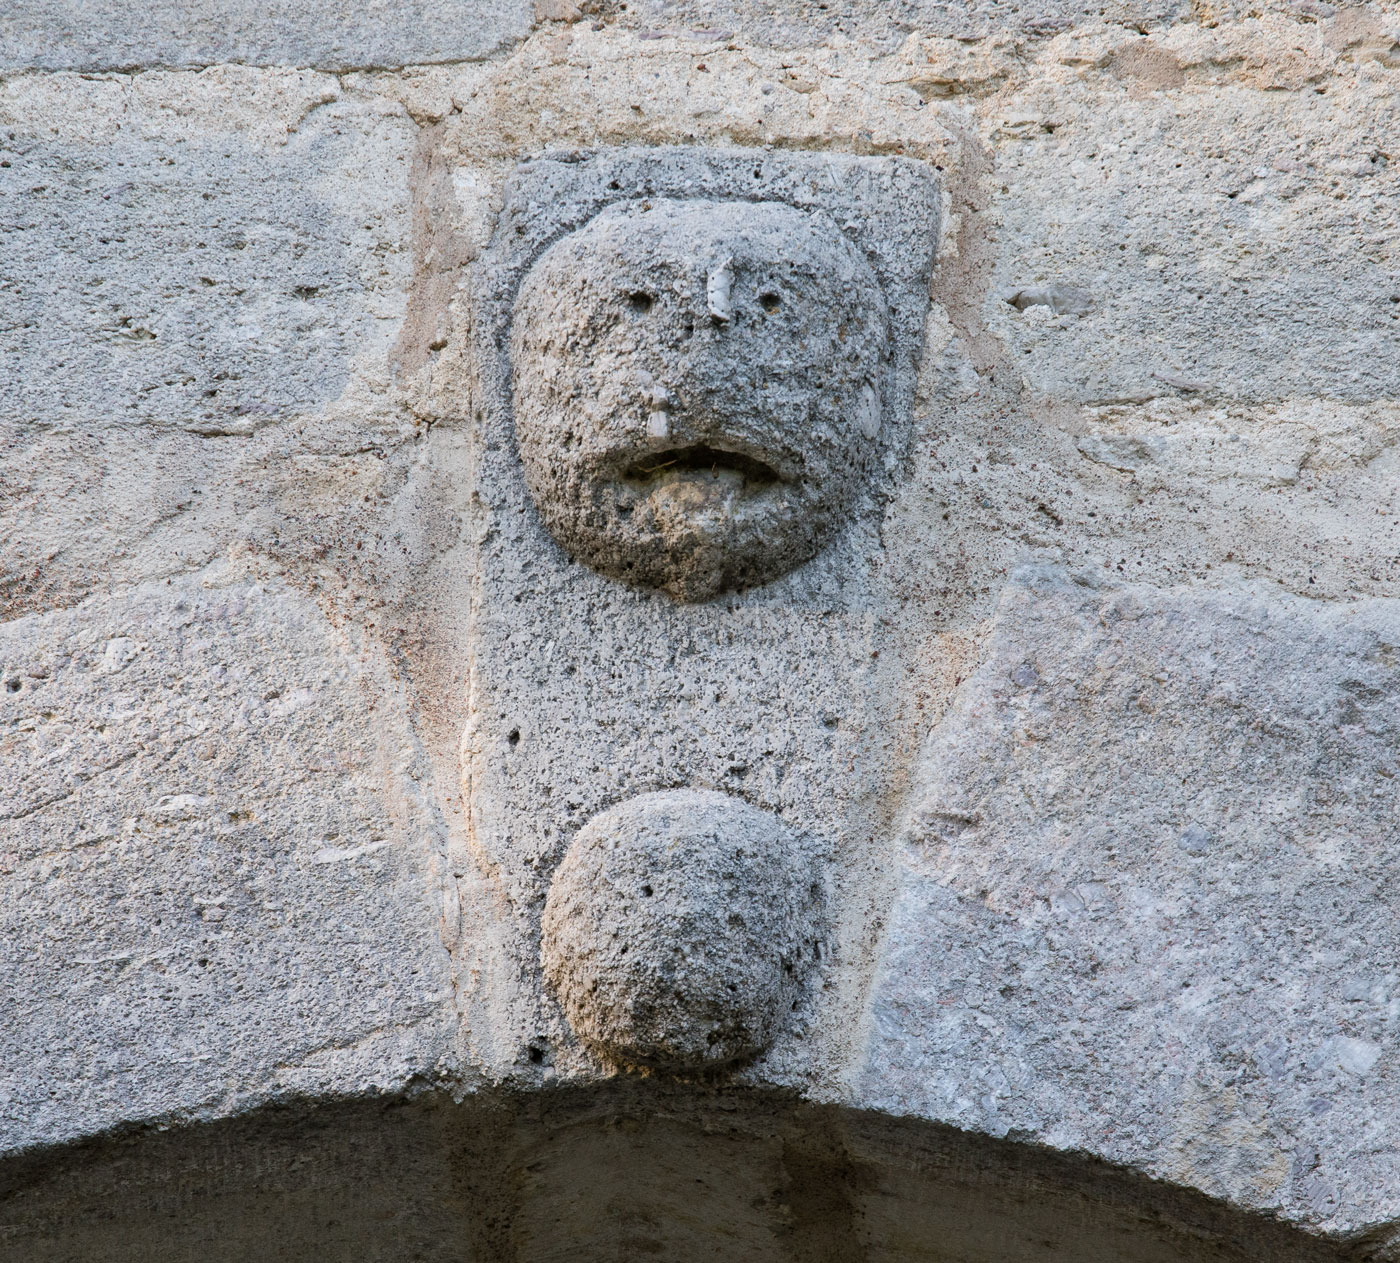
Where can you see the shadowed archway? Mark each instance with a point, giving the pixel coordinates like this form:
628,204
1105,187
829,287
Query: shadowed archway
624,1170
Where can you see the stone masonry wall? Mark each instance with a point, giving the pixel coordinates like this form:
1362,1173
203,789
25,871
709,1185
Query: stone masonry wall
1099,698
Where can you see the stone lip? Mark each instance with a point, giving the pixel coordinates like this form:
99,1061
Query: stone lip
695,389
680,929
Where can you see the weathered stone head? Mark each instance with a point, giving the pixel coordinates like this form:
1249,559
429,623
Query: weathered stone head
697,389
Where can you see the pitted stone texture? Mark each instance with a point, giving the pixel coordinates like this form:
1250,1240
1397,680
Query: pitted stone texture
95,35
680,929
883,26
195,310
216,881
585,692
1141,249
697,389
209,281
1146,911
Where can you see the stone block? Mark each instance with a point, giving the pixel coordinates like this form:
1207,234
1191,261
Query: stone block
216,870
1144,910
789,23
1149,249
114,35
587,691
183,301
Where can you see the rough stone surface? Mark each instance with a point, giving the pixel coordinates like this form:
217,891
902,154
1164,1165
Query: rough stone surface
97,35
697,390
1145,907
883,26
217,872
207,283
193,312
776,693
1264,306
1140,264
680,929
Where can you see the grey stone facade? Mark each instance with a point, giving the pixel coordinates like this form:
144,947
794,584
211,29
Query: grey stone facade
1015,585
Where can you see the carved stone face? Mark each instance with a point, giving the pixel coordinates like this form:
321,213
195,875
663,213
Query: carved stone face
697,390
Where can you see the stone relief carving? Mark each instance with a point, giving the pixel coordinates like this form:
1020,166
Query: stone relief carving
697,389
696,368
680,927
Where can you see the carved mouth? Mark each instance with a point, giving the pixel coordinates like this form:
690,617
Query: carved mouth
699,459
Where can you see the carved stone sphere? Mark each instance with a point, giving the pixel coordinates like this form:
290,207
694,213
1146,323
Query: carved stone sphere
696,389
680,928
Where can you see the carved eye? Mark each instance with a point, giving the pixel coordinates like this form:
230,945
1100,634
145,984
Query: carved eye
769,301
639,301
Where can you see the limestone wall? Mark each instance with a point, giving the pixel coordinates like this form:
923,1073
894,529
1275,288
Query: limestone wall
1089,702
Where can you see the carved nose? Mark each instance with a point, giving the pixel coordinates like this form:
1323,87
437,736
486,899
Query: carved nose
718,287
660,402
660,398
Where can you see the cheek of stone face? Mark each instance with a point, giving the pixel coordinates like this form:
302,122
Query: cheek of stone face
696,390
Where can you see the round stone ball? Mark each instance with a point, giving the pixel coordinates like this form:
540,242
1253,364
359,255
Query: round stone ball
697,390
680,930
